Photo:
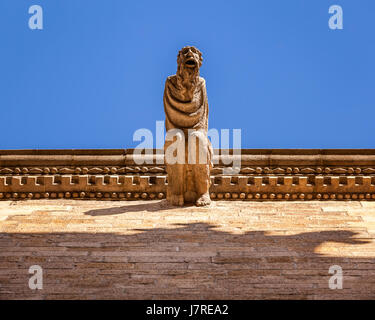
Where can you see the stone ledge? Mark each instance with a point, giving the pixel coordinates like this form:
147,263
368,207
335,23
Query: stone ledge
268,174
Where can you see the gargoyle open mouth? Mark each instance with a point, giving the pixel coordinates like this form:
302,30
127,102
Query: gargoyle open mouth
190,63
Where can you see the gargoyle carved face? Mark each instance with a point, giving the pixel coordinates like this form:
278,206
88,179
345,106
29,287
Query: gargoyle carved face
189,57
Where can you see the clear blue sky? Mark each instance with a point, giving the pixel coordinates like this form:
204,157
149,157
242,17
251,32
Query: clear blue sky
274,69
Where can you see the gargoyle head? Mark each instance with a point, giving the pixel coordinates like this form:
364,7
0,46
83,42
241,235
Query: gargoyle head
189,60
189,57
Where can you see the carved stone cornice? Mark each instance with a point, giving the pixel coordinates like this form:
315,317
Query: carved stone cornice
274,174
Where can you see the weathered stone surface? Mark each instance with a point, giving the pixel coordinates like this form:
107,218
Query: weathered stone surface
151,250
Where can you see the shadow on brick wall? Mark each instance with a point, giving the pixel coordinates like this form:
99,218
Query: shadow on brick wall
189,261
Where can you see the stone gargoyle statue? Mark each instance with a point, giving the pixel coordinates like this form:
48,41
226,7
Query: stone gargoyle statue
187,149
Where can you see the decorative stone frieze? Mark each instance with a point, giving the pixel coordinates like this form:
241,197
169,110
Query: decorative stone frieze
265,175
